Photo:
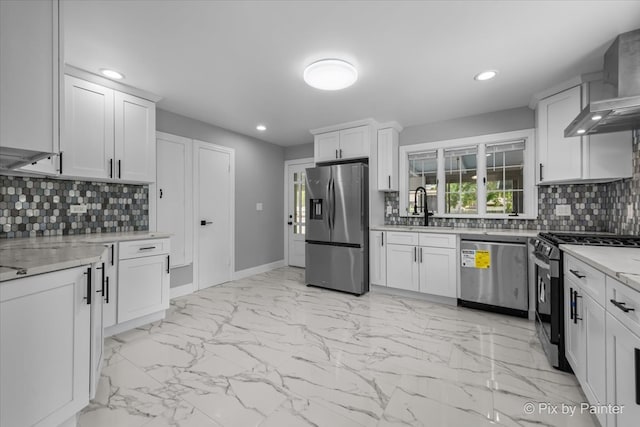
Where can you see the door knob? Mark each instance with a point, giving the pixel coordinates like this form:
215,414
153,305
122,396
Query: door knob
203,222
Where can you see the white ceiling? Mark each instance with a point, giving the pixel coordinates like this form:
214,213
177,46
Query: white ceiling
239,63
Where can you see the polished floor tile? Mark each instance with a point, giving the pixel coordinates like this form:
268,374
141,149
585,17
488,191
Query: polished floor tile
269,351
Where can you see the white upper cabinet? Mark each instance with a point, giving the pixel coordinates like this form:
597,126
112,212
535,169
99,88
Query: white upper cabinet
87,138
107,134
29,76
135,139
352,143
592,158
559,158
326,146
388,159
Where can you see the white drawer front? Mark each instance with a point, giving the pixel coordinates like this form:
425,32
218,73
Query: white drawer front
402,238
590,279
626,299
143,248
438,240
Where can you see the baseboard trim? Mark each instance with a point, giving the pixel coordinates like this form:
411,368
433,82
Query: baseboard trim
133,323
180,291
412,294
258,269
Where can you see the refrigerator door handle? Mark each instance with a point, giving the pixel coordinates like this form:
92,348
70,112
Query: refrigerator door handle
333,203
328,199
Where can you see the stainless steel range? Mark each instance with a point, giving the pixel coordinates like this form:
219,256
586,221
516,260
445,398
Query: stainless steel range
547,256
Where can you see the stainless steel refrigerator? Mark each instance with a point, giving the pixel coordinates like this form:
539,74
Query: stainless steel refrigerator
337,234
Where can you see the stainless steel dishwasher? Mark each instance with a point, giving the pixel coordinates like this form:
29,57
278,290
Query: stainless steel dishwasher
493,273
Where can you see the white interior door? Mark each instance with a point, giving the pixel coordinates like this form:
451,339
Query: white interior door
214,222
296,198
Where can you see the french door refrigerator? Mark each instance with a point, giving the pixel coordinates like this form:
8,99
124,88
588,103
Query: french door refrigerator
337,218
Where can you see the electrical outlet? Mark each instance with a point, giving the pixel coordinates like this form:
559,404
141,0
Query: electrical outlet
563,210
389,210
78,209
629,210
258,206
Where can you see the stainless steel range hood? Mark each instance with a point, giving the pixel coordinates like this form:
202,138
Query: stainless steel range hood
621,78
13,158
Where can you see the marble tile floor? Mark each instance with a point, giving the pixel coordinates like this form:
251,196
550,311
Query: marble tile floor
269,351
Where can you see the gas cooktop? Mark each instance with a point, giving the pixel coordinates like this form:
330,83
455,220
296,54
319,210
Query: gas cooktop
591,239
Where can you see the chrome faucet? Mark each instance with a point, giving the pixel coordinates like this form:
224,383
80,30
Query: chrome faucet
426,212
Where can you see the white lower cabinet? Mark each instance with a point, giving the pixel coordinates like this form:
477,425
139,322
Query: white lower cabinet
143,278
623,373
377,258
427,269
438,271
403,270
110,315
45,342
585,330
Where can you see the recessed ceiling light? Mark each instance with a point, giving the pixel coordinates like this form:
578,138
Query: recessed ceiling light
261,128
581,131
486,75
596,117
330,74
112,74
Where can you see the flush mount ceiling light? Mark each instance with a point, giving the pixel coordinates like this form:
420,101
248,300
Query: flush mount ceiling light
261,128
112,74
486,75
330,74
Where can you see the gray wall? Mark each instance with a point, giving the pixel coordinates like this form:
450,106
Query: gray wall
259,178
482,124
298,151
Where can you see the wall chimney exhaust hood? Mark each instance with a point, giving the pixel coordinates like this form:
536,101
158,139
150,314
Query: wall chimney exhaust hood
13,158
622,79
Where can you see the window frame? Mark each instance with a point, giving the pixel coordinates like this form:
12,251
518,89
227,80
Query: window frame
480,142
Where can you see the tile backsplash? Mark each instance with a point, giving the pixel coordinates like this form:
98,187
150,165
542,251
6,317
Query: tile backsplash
42,207
595,207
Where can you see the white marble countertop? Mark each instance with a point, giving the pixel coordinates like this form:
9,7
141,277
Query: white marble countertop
621,263
37,255
458,230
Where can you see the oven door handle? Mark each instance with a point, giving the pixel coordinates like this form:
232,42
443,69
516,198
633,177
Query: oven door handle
540,263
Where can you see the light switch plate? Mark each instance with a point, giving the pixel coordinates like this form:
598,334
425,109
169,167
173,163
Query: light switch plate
389,209
258,206
78,209
563,210
629,210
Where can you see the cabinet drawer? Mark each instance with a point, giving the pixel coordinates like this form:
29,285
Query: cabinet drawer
590,279
402,238
626,298
143,248
438,240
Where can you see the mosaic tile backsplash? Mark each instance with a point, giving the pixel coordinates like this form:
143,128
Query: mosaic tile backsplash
42,207
595,207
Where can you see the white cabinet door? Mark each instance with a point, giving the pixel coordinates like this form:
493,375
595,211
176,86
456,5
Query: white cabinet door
135,139
143,286
438,271
355,142
377,258
623,373
402,267
98,291
87,137
573,329
326,146
29,75
595,385
44,348
388,159
111,287
174,196
559,158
